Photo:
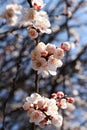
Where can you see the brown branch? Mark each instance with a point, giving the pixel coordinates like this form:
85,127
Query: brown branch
29,1
36,82
2,34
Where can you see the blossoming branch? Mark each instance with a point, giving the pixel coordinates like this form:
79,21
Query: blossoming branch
46,58
44,111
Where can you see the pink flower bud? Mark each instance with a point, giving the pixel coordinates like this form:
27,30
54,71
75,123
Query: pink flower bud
37,7
70,100
60,94
54,95
65,46
38,4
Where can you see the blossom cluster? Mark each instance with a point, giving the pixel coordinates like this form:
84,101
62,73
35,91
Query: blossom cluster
47,58
37,21
44,111
11,13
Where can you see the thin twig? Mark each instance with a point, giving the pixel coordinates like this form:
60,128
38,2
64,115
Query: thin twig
29,1
36,82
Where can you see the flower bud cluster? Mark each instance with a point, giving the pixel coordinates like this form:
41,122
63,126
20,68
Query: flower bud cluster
43,111
61,99
47,58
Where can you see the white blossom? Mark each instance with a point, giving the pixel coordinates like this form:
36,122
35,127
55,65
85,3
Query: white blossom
41,47
36,116
10,13
33,99
14,8
59,53
32,33
50,48
28,16
63,103
42,23
57,120
35,54
39,64
53,64
52,107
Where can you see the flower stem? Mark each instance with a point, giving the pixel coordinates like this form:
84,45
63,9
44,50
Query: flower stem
36,82
32,126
